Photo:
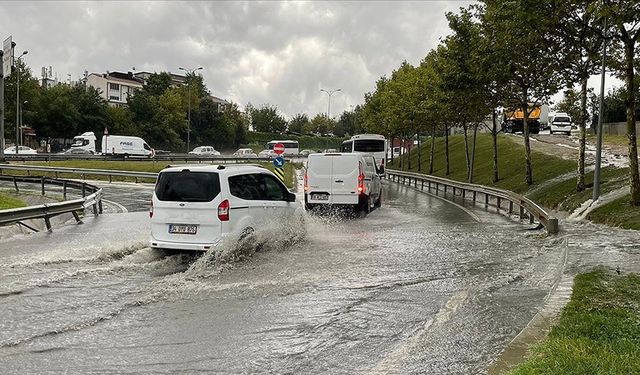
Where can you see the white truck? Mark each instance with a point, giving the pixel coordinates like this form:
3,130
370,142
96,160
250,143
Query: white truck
125,145
85,141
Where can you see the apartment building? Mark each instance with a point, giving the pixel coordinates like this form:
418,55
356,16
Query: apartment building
115,87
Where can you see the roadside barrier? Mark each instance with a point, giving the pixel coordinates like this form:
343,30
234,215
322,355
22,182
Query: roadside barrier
505,201
91,197
158,158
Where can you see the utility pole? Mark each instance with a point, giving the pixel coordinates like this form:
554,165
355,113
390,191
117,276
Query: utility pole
190,74
18,100
596,173
329,93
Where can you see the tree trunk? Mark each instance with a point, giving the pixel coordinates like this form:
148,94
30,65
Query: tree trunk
446,148
634,177
400,153
392,139
583,134
467,159
494,137
419,152
473,152
432,151
527,145
409,154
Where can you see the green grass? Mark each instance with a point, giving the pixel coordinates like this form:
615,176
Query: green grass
608,139
511,162
8,201
617,213
136,166
598,331
563,195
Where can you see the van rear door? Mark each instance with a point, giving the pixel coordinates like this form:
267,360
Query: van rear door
345,179
185,205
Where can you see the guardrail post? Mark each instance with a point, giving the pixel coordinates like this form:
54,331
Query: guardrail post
95,209
552,225
136,180
521,213
510,207
499,203
530,218
15,184
464,193
109,178
474,196
486,199
84,187
47,222
100,206
64,190
57,174
83,176
42,184
77,217
445,189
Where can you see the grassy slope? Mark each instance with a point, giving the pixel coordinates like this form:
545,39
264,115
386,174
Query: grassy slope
618,213
510,162
7,201
137,166
598,332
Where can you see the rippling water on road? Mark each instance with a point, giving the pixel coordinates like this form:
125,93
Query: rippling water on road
418,286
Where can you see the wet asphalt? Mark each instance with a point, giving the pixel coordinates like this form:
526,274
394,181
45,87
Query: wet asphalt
417,286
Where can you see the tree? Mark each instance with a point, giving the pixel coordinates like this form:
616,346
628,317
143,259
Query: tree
29,92
581,45
346,124
570,104
237,123
528,46
624,17
320,124
298,123
267,119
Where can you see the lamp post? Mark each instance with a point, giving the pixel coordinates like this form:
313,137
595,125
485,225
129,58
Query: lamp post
190,73
22,122
18,100
329,93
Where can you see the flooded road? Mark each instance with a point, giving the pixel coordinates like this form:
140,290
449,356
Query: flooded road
418,286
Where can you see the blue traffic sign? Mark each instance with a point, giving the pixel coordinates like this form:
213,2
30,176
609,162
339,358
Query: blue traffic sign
278,162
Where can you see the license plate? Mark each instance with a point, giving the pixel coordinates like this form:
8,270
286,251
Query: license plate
183,229
320,197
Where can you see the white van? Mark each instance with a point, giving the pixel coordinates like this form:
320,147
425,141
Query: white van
85,141
125,145
349,179
195,207
560,122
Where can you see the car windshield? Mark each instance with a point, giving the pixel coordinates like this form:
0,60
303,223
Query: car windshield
187,186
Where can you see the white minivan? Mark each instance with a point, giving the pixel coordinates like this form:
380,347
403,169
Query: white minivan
196,207
560,122
342,179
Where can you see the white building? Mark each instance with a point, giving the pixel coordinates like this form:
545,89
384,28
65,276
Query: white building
115,87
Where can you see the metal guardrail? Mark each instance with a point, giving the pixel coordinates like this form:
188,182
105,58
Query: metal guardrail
79,171
527,209
49,210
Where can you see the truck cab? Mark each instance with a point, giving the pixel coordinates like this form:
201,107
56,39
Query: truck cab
85,141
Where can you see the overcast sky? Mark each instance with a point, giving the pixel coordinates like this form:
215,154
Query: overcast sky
281,53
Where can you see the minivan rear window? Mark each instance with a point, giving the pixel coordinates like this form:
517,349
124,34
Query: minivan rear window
187,186
561,119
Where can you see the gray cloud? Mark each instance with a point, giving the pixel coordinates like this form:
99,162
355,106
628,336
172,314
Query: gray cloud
258,52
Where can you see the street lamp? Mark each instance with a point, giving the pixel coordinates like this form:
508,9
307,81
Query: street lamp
190,72
329,93
18,100
21,122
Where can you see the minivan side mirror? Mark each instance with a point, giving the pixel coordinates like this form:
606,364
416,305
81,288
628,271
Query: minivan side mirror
291,197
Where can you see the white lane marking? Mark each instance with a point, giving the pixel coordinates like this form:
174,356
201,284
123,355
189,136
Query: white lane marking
121,207
392,362
473,216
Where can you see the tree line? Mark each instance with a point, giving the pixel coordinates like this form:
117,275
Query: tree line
513,55
157,112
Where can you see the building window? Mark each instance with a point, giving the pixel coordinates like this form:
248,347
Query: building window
111,97
114,86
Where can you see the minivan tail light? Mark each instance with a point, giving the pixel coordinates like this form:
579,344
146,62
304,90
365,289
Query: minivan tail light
306,182
223,210
151,210
361,186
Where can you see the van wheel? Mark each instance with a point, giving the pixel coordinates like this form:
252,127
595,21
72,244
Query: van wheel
378,202
366,205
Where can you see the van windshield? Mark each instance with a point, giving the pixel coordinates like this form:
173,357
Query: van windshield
368,145
187,186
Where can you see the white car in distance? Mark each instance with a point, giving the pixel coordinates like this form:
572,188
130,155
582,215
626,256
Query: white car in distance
204,151
22,150
195,208
267,154
245,153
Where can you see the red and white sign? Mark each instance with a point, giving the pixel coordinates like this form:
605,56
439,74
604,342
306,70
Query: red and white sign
278,148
